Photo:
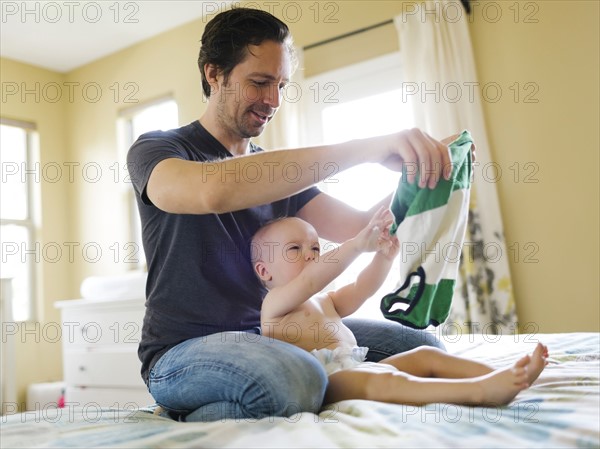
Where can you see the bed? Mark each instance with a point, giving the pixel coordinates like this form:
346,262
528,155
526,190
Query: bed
561,409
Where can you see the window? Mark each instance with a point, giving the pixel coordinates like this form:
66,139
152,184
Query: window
365,100
159,115
18,154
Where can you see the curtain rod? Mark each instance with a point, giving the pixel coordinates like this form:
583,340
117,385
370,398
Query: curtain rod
351,33
465,3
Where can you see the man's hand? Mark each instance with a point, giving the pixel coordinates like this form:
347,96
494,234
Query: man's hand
448,141
414,151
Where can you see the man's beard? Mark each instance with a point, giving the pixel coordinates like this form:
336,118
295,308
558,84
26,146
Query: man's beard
243,126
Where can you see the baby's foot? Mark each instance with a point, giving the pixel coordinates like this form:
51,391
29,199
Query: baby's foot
501,386
537,363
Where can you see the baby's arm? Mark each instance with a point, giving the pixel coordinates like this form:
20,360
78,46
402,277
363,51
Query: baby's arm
349,298
317,275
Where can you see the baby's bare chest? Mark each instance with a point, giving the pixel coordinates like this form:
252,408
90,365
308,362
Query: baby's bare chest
315,325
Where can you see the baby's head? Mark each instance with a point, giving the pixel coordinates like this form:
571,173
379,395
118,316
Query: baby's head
282,248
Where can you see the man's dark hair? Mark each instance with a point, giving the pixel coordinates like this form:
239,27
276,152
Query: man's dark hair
227,36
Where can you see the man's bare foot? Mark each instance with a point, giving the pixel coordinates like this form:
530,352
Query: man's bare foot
501,386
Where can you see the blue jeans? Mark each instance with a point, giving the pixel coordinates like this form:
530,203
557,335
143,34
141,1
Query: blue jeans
242,375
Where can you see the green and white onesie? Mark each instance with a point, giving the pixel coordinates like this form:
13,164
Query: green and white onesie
430,225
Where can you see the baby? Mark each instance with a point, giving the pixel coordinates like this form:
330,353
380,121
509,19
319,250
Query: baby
286,257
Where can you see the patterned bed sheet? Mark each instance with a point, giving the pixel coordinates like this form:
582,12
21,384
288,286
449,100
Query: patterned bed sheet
561,409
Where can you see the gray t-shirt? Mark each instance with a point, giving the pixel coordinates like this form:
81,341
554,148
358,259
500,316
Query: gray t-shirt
200,279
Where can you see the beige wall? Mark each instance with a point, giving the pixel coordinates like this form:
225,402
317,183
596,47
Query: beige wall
557,136
128,78
39,358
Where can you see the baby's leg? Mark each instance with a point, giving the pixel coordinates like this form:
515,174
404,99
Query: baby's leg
431,362
348,384
494,387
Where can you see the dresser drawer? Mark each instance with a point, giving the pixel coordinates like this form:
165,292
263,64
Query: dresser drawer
118,368
98,325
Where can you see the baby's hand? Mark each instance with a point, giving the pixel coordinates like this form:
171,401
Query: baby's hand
377,231
389,246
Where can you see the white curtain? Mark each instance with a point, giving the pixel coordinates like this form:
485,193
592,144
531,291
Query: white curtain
441,83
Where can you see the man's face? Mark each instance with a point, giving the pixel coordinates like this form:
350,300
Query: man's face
253,92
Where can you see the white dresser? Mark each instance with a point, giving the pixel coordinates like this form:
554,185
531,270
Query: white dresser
100,340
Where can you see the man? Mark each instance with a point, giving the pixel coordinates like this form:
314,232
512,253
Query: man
203,190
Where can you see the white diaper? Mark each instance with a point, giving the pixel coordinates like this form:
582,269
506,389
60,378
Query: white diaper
342,357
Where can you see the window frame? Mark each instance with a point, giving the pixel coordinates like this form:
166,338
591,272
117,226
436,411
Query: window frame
348,84
353,82
29,222
126,138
